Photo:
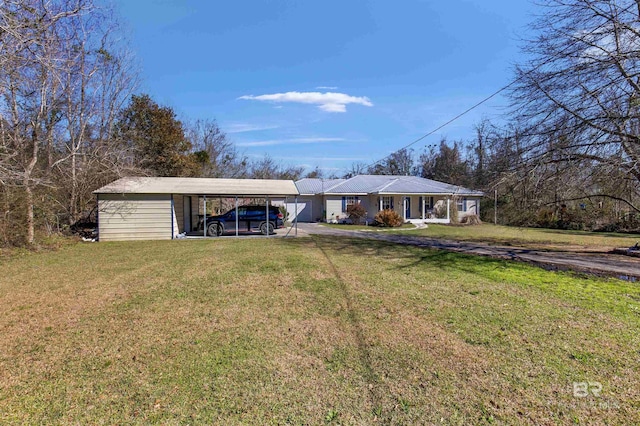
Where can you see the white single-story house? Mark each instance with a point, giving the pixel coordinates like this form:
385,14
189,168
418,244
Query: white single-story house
414,198
161,208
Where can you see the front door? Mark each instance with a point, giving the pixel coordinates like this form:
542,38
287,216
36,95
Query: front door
407,207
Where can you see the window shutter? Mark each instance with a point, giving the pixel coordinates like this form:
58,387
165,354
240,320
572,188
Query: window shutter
420,203
344,204
464,204
391,203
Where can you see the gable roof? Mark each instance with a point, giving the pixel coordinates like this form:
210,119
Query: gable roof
200,186
382,184
310,186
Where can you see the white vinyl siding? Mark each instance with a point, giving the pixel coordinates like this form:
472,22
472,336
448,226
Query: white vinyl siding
134,217
472,207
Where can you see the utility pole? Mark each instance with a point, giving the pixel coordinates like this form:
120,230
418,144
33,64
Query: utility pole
495,206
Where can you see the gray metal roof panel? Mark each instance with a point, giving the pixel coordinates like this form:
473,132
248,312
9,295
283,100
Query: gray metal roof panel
315,185
381,184
361,184
200,186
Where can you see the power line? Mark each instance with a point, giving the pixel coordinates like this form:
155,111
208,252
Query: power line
451,120
502,89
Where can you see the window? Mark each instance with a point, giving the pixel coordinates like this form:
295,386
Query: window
387,203
349,200
428,203
461,204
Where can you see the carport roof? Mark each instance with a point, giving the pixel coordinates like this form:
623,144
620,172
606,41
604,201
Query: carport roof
200,186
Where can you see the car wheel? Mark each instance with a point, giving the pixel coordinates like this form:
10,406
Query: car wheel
264,230
213,230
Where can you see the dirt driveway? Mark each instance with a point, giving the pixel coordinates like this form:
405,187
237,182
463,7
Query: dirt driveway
605,264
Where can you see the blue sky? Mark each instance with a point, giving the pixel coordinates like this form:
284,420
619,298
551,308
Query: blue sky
327,83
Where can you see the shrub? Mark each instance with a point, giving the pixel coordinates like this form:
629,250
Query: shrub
440,210
471,219
356,212
388,218
285,213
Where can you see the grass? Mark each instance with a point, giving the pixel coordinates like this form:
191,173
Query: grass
349,227
530,237
309,331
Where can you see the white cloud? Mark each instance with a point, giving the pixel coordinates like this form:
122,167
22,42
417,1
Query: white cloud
327,87
295,141
328,101
313,158
246,127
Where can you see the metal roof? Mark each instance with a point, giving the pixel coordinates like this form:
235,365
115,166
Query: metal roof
384,184
315,185
200,186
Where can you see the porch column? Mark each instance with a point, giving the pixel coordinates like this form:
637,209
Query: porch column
404,208
267,208
423,202
380,202
448,214
296,218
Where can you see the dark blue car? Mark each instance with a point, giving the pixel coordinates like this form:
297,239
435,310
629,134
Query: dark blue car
250,218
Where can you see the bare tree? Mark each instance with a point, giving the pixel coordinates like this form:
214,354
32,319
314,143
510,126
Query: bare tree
399,163
56,108
583,82
216,154
30,80
357,168
268,168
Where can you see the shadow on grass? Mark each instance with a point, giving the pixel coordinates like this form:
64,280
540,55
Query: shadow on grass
375,393
411,256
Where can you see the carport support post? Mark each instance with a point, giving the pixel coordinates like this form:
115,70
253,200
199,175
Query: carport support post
236,215
296,218
204,218
267,208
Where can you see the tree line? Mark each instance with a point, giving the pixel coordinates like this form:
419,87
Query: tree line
71,120
567,153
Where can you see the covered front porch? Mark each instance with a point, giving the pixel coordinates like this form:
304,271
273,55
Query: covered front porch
425,208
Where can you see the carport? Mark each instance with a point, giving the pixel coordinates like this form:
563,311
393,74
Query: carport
157,208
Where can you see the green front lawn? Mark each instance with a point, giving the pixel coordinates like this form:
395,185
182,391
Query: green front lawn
511,235
309,331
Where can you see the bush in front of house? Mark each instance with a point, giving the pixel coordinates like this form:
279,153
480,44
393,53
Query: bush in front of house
388,218
472,219
285,213
356,213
